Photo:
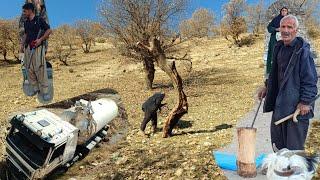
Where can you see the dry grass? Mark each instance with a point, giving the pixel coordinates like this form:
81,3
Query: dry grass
220,90
313,142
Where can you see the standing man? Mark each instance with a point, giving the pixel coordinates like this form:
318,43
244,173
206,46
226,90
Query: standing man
273,29
292,85
36,31
40,10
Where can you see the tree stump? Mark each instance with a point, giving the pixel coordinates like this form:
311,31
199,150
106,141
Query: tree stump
246,152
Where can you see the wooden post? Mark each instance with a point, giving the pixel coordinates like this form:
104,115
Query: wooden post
246,152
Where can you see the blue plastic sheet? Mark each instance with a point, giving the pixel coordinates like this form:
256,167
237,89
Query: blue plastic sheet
229,161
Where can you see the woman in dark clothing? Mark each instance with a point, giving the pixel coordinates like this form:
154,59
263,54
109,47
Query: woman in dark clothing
150,108
273,28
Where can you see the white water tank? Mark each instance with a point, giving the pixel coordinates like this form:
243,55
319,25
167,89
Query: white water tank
104,111
91,117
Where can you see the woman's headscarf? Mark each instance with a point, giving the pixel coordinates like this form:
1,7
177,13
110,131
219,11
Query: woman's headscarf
276,21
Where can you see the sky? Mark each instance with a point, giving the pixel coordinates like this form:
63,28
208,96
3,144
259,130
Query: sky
69,11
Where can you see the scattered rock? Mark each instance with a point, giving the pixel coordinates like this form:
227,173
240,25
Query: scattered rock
179,172
192,143
115,155
81,167
184,164
122,160
102,175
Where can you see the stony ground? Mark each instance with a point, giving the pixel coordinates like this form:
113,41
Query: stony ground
220,91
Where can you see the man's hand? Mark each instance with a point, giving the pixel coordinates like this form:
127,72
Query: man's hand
37,42
304,109
262,93
21,48
278,29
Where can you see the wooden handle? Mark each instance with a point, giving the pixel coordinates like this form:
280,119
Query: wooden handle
284,119
294,116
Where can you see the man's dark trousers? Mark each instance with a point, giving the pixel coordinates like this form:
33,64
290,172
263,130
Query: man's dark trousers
289,134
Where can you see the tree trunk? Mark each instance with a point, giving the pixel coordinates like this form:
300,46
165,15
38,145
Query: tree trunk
86,49
5,55
169,68
181,107
148,66
89,47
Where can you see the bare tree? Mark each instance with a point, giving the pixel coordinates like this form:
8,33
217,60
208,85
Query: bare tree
9,38
143,28
98,30
3,41
85,31
256,17
62,42
312,21
154,47
313,26
311,8
233,23
296,7
199,25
